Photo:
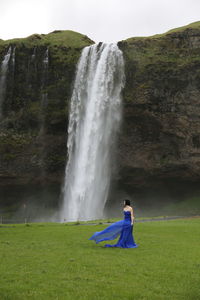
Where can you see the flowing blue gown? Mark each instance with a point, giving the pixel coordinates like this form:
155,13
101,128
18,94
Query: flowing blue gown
122,228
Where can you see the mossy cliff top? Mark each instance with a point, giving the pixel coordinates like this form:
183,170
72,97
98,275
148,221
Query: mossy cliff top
191,27
64,38
161,55
69,38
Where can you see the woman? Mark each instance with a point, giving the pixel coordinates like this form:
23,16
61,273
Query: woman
124,228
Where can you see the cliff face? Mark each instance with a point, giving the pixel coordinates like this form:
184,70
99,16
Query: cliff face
34,106
159,144
160,140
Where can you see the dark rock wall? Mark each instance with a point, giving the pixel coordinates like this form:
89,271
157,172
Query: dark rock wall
159,146
33,129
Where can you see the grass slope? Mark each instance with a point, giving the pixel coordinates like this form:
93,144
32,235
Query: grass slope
195,25
56,261
64,38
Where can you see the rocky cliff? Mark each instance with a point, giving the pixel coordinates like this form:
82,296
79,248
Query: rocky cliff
160,140
159,144
34,99
38,87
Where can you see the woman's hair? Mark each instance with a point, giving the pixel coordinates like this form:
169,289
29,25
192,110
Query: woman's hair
127,202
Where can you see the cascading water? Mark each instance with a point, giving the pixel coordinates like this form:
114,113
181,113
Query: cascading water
31,78
45,76
12,72
3,74
93,125
46,59
34,54
42,114
13,58
44,95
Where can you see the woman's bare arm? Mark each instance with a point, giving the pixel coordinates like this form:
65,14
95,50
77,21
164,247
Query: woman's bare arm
132,217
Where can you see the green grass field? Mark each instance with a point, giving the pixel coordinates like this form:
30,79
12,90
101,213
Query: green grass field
57,261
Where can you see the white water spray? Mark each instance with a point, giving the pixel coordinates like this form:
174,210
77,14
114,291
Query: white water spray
34,54
94,121
13,58
44,94
3,74
44,79
46,59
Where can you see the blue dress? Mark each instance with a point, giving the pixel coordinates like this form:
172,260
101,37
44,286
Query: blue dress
122,228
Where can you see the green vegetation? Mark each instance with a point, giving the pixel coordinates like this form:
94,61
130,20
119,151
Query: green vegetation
195,25
12,143
162,209
160,62
65,38
55,261
186,207
38,99
161,47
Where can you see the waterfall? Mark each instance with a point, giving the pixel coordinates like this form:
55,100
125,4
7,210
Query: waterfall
3,75
42,114
13,58
33,54
44,95
12,72
45,77
31,77
94,121
46,59
45,66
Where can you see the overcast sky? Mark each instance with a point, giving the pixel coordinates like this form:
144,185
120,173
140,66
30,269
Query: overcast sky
101,20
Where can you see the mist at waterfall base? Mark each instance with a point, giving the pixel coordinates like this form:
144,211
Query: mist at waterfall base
29,203
94,123
40,203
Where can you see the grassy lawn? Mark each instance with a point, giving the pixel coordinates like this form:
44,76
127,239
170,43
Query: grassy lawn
56,261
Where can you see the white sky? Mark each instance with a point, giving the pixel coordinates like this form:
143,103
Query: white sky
101,20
